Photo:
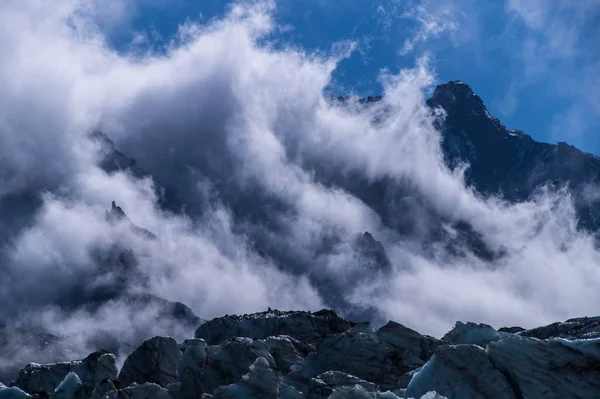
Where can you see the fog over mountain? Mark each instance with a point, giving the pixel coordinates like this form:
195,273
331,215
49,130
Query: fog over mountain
239,184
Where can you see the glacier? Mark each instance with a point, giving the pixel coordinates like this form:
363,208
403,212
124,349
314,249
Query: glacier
321,355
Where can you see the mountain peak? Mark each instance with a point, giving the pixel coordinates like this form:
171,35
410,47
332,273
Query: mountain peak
456,95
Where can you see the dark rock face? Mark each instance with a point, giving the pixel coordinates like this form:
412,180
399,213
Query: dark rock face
116,214
508,162
112,160
154,361
306,327
374,251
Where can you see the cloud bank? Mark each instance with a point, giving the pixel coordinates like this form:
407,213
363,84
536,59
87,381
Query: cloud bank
256,185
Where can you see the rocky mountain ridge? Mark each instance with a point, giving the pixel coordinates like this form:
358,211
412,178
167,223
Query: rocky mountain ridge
289,354
507,162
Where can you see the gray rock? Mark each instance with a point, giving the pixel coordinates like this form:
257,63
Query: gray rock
471,333
306,327
155,361
549,369
460,371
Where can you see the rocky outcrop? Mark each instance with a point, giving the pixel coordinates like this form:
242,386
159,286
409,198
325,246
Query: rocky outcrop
460,371
112,160
471,333
155,361
373,252
306,327
116,215
579,328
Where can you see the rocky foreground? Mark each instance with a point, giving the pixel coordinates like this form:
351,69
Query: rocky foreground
321,355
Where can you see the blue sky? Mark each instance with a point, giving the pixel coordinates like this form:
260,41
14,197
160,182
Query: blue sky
535,63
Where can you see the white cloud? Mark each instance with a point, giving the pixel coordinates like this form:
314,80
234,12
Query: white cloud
557,47
433,20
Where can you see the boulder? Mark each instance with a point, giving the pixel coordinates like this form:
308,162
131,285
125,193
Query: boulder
155,361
